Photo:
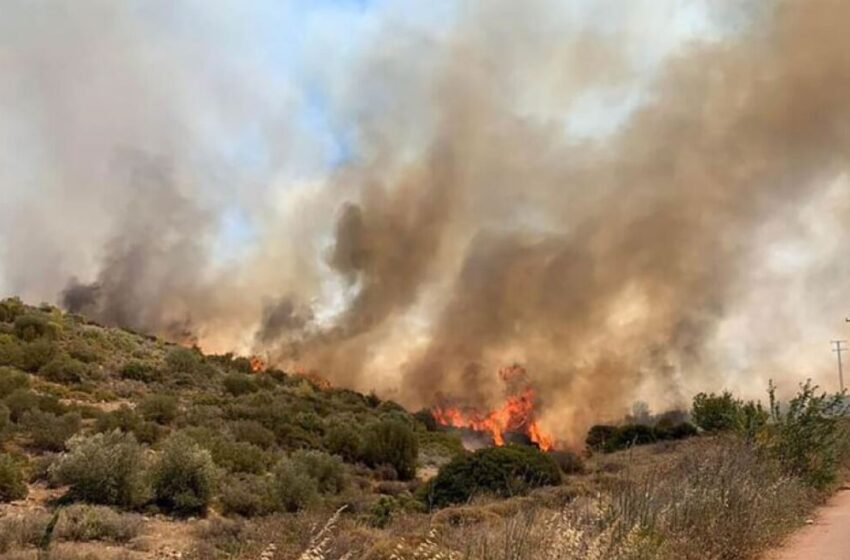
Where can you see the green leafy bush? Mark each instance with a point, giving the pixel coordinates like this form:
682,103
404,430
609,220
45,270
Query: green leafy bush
29,327
248,495
161,409
293,489
327,470
714,413
11,351
37,354
183,477
239,384
505,471
810,438
629,435
63,369
48,431
183,360
103,469
598,436
252,432
12,483
9,309
12,379
344,439
392,442
22,400
139,371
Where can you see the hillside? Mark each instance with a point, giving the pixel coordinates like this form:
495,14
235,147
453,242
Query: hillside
117,445
64,380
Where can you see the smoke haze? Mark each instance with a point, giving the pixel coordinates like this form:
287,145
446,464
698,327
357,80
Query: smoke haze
690,238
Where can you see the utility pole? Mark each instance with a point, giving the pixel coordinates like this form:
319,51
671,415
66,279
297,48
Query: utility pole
839,348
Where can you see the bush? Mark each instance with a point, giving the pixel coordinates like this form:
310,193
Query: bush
183,477
682,430
103,469
63,369
12,483
183,360
810,438
11,351
252,432
22,400
238,384
392,442
598,436
630,435
10,309
139,371
327,470
5,420
292,488
344,440
248,495
161,409
48,431
505,471
37,354
127,420
714,413
81,522
12,379
30,327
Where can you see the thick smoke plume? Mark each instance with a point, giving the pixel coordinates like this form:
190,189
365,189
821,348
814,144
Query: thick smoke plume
472,230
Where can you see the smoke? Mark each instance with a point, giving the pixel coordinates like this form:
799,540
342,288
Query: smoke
693,246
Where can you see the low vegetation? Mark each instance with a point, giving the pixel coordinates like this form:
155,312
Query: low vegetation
110,435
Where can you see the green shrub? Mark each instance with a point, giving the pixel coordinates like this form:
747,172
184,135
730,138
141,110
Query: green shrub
505,471
344,439
5,421
252,432
48,431
714,413
12,483
139,371
82,523
63,369
242,364
183,477
11,351
183,360
810,439
292,488
238,384
22,400
161,409
37,354
103,469
629,435
327,470
127,420
248,495
10,309
30,327
238,456
392,442
12,379
84,352
598,436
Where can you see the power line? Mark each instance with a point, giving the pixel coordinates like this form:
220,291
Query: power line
838,350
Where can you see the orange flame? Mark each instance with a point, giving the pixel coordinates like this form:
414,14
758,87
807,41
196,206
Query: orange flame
257,364
516,414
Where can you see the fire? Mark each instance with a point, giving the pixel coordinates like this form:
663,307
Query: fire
257,364
516,414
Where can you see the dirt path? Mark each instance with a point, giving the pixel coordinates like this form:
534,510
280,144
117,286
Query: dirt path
828,538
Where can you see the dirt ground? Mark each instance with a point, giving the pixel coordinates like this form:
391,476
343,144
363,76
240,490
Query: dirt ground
826,538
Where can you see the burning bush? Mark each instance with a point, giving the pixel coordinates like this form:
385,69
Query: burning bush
505,471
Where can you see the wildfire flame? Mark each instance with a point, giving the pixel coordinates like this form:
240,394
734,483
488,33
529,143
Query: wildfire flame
257,364
516,414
